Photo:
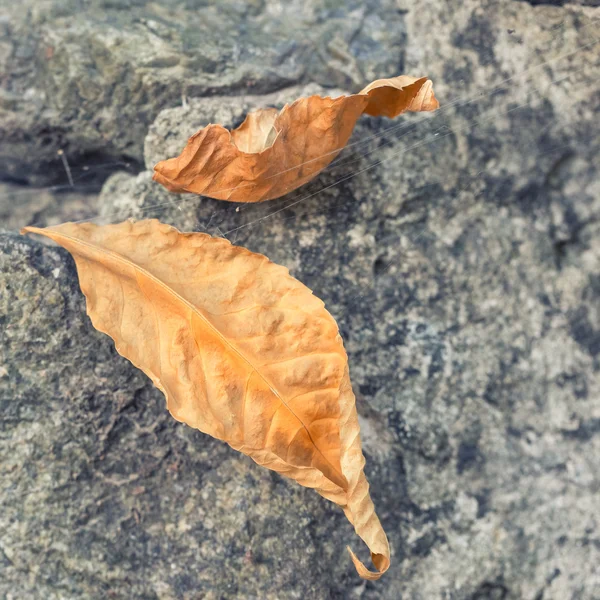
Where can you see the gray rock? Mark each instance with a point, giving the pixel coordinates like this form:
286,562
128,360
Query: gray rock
89,78
24,205
104,495
460,254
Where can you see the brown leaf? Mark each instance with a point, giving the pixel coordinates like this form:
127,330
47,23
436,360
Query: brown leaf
241,350
273,152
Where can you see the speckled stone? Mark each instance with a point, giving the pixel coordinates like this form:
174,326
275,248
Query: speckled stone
89,77
464,272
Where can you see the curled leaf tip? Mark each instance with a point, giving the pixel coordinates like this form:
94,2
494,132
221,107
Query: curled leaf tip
381,562
391,97
274,152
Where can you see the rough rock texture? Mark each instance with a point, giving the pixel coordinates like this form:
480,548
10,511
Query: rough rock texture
104,495
24,205
89,77
464,271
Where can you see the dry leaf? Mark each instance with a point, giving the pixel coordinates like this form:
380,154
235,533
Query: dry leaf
273,152
241,350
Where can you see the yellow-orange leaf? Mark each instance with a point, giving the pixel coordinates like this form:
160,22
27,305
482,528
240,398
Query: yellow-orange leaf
273,152
241,350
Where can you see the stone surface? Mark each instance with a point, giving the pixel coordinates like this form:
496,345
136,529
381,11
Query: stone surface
104,495
89,77
460,254
24,205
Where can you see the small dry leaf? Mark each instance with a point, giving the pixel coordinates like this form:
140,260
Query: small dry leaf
273,152
241,350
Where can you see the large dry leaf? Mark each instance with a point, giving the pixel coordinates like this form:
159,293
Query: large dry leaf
273,152
241,350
